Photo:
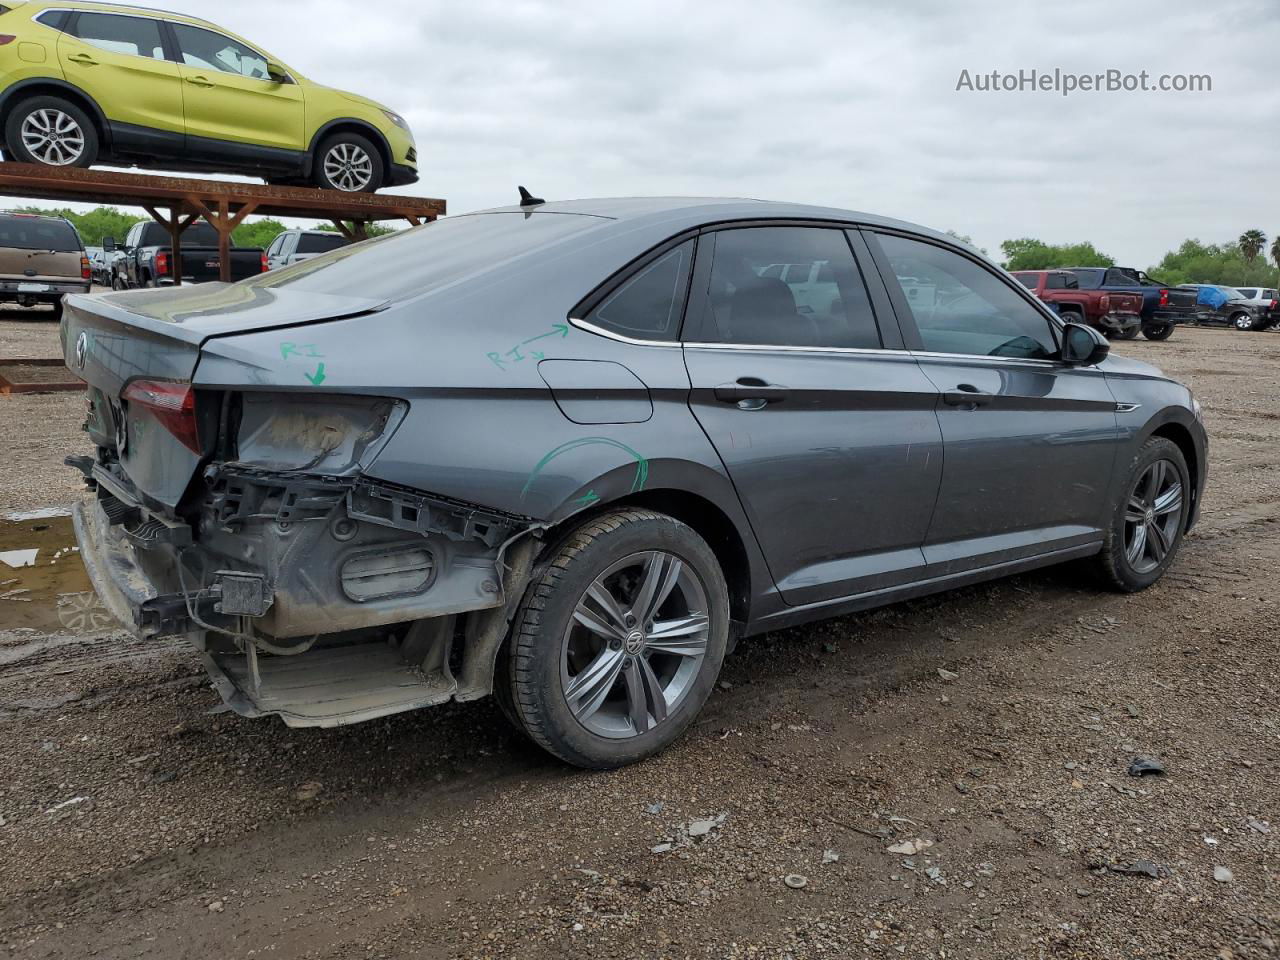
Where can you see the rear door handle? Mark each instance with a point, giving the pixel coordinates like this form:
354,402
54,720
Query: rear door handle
751,390
967,395
200,81
84,58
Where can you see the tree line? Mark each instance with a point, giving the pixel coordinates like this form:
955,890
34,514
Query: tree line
1238,263
111,222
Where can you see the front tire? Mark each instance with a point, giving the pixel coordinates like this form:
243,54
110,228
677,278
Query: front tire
1242,321
51,132
1158,331
1147,524
619,639
348,163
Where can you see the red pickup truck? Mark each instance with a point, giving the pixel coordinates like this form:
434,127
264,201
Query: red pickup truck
1117,315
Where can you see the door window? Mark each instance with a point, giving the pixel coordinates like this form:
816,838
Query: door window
132,36
212,51
647,306
960,306
787,286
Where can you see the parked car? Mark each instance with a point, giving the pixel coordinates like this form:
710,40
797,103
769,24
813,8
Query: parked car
1163,306
148,256
1217,303
95,255
1117,315
90,83
41,258
1266,298
293,246
522,452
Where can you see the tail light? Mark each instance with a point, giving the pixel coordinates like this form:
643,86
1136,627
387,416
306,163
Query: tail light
1274,304
1164,298
162,262
1104,303
264,261
86,273
172,404
6,37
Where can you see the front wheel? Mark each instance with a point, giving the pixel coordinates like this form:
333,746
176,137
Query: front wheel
1147,524
51,132
1242,321
1158,331
349,163
619,639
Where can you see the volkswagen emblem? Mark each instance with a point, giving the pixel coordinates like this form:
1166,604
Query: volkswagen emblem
82,349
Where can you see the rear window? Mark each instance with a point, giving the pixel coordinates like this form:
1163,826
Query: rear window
1028,280
35,233
1089,279
414,261
317,243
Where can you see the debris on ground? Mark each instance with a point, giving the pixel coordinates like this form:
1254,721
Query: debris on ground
909,848
1223,874
946,674
796,881
1144,766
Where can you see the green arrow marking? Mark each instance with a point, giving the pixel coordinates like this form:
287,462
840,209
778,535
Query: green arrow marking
588,498
316,378
557,329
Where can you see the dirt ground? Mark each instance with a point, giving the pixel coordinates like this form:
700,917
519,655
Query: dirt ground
137,820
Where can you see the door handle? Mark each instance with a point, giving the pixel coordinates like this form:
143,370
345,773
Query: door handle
84,58
200,81
967,395
751,390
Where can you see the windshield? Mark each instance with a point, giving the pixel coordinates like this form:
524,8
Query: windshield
414,261
37,233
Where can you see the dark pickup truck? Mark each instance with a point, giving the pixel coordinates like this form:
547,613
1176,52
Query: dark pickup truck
1163,306
1118,315
148,256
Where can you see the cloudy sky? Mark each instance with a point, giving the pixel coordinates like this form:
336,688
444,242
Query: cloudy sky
851,103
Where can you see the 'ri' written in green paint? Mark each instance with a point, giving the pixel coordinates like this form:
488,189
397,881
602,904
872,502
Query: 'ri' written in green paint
500,360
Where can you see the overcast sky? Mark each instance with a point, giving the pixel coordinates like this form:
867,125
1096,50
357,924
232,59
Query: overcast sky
852,104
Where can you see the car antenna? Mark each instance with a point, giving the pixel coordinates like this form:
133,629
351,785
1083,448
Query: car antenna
527,199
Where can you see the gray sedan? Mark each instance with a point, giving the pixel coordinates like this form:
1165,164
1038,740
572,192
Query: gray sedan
570,453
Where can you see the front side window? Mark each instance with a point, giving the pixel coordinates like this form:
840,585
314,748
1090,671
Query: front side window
212,51
818,298
647,306
132,36
960,306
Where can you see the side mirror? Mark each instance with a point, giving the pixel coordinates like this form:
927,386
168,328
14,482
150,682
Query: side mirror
1083,346
277,72
109,244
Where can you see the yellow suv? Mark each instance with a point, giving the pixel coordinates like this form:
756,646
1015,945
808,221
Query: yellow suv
84,83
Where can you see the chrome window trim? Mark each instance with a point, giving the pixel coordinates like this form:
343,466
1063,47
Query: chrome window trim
785,348
620,338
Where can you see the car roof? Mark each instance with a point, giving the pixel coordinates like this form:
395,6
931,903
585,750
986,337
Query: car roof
688,212
127,8
34,216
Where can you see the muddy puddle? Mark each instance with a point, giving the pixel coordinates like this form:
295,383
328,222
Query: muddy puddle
43,584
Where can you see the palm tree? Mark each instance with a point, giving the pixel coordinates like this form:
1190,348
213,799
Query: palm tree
1252,243
1275,251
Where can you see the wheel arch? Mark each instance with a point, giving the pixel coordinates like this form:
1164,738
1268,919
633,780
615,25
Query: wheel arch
49,86
1180,435
349,125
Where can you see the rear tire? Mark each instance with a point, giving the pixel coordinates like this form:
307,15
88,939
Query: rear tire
348,163
50,132
1156,497
1158,331
1129,334
636,671
1241,321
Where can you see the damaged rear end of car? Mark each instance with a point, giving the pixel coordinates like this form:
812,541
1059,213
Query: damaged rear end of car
236,510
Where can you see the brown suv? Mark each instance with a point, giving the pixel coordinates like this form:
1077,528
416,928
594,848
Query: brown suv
41,258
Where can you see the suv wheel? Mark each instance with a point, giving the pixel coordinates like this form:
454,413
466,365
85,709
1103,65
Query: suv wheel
51,132
1128,333
1147,525
348,162
619,639
1158,331
1242,321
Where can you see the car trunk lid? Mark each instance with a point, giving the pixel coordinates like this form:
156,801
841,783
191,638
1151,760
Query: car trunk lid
137,352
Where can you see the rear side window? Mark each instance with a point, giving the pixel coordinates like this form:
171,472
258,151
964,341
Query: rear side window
1088,279
132,36
1268,295
50,18
1117,279
960,306
1028,280
421,259
35,233
818,300
648,305
315,243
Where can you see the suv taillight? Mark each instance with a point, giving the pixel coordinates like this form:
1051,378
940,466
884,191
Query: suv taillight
162,262
1104,303
264,261
1164,298
86,272
172,404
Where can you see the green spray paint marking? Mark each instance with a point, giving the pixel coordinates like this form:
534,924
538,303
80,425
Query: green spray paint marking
500,360
637,483
316,378
288,349
588,498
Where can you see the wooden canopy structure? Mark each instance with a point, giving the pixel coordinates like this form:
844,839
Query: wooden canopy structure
177,202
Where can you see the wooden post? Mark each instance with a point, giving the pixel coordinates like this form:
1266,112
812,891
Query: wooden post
175,224
225,222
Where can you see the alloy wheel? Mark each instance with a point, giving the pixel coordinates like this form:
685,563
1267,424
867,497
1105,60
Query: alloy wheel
1243,322
52,137
348,167
1153,516
635,644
